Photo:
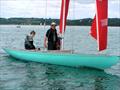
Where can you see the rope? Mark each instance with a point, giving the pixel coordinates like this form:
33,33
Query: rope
45,14
72,34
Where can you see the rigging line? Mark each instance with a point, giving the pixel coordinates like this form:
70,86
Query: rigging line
45,15
44,20
72,33
70,30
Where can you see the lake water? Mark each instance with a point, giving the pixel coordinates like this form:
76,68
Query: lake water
20,75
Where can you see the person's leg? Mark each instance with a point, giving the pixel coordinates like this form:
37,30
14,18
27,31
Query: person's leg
54,46
33,47
50,46
27,47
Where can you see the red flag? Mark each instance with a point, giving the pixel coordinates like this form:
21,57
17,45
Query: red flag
99,27
63,15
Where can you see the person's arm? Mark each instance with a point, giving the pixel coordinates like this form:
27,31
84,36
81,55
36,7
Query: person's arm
45,42
46,39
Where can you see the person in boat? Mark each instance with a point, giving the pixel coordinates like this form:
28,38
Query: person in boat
29,41
51,38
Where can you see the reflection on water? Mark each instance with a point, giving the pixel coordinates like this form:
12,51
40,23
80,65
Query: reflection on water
19,75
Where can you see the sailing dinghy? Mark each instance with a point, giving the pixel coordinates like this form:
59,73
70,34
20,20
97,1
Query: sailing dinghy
64,58
98,31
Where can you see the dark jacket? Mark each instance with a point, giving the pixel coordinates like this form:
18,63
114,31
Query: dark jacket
52,36
29,43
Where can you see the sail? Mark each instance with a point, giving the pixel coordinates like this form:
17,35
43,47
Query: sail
93,31
99,27
63,15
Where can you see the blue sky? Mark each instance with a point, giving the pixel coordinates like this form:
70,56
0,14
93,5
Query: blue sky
51,8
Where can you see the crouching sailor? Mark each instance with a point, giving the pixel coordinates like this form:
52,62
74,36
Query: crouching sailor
29,41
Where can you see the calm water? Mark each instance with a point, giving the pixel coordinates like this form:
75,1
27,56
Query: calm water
20,75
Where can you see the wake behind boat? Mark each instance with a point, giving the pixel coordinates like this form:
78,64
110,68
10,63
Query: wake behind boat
64,58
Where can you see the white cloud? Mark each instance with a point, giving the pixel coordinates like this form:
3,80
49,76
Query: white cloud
51,8
84,1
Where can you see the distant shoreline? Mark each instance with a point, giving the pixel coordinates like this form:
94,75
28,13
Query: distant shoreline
42,21
46,25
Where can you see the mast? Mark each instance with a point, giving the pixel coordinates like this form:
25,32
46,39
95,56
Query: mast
63,29
63,18
102,22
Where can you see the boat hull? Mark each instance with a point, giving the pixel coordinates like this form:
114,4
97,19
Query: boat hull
66,59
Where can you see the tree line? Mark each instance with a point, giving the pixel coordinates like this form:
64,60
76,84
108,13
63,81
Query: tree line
42,21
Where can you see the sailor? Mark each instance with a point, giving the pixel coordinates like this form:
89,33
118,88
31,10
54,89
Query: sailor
51,39
29,41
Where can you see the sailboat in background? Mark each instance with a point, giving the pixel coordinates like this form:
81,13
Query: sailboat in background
44,24
98,31
41,24
18,26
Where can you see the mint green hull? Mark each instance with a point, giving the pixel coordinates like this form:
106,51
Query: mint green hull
74,60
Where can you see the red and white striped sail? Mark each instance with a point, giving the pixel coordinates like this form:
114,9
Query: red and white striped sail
63,15
99,27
